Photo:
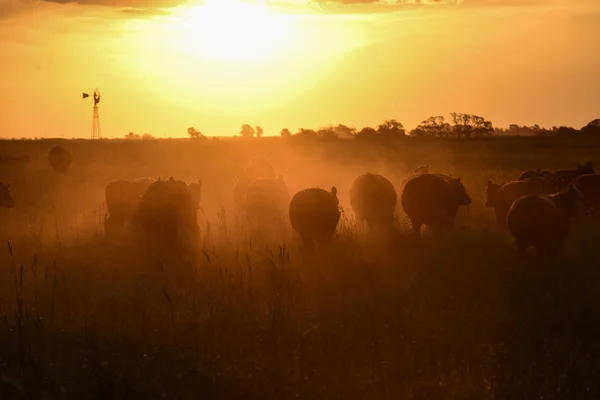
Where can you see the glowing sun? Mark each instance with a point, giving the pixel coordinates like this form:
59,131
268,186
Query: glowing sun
232,30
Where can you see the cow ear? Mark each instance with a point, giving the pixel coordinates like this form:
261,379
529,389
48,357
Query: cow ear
334,190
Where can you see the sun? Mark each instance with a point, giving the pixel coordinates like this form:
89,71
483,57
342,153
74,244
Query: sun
231,30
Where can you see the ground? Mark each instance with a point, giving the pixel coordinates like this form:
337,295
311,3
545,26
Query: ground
368,318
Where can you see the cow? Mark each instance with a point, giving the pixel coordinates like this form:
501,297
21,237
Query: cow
166,210
501,197
373,199
122,198
6,199
59,159
542,222
422,169
266,203
554,182
433,200
568,175
196,188
314,213
257,168
589,186
14,160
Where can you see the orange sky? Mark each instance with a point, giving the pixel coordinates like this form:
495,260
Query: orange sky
293,63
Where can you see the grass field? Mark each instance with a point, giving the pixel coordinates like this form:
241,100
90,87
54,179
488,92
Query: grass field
368,318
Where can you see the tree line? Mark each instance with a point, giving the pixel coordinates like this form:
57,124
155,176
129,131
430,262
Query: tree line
458,125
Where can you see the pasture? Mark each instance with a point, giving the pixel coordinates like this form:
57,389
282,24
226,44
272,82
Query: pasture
242,317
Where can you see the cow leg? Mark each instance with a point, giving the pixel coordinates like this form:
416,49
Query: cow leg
416,228
307,242
521,249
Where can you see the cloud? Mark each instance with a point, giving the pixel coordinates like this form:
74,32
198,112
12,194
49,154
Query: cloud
10,7
136,4
153,4
143,12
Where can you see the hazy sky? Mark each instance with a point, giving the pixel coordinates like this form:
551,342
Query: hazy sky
293,63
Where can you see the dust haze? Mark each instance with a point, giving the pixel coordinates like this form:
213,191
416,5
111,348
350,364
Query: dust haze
234,314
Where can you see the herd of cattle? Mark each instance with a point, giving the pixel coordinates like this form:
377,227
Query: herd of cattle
536,208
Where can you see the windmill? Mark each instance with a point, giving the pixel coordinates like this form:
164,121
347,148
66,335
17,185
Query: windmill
96,131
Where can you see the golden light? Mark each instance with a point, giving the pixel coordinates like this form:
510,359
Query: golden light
231,30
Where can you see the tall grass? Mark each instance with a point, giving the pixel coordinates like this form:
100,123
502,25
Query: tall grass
241,317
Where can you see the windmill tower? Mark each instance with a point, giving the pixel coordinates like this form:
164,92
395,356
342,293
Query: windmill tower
96,130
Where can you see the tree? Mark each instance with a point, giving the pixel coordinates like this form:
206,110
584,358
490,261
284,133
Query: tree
344,131
468,125
147,136
327,132
285,133
391,129
259,131
132,135
593,128
366,133
303,132
432,126
247,131
194,134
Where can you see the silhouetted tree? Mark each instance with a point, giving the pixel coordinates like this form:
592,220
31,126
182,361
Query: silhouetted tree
147,136
194,134
344,131
132,135
247,131
285,133
327,132
303,132
432,126
566,131
466,125
391,129
593,128
367,133
259,131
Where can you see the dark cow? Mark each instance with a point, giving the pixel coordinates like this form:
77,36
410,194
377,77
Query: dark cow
266,203
542,221
433,200
589,186
259,168
122,198
59,159
554,182
568,175
6,199
196,188
314,213
501,197
373,199
166,210
14,160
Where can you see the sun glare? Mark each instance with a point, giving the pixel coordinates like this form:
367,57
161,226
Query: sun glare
231,30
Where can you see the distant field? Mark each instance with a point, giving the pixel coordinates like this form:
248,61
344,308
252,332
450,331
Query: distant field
81,318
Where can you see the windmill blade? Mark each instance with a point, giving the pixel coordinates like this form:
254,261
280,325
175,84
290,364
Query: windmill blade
84,95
